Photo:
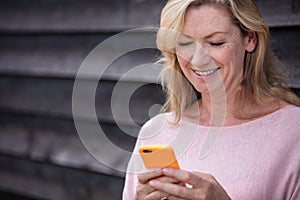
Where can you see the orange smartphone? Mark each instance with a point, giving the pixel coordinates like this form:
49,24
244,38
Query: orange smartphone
158,156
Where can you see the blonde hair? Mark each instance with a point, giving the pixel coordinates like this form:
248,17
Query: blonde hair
262,79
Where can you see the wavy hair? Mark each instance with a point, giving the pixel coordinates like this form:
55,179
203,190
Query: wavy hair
262,79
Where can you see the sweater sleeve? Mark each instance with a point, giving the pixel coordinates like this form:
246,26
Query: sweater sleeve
131,178
135,165
296,194
130,186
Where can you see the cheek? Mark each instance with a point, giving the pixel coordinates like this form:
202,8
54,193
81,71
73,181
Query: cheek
238,60
183,63
228,57
221,57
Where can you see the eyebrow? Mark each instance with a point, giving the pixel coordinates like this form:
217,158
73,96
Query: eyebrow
185,36
208,36
215,33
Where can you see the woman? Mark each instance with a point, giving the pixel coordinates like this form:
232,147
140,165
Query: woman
232,121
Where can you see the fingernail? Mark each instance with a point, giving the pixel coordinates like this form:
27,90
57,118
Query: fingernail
166,170
158,171
153,182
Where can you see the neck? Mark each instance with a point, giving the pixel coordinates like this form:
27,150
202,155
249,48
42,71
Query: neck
218,111
215,110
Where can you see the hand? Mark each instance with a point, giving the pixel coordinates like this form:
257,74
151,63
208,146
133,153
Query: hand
204,186
146,192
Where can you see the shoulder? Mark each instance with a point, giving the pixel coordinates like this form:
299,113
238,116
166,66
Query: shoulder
291,109
285,125
279,129
289,115
156,124
285,121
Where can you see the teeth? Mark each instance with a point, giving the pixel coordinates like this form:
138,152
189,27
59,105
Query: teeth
206,73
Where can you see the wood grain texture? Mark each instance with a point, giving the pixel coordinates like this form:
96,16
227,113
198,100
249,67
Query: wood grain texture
42,46
53,98
117,15
56,141
62,55
47,181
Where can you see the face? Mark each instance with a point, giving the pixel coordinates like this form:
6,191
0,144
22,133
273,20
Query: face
211,50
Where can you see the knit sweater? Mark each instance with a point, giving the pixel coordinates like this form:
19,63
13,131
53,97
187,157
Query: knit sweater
259,159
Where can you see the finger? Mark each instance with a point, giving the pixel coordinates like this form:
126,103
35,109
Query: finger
143,190
168,179
146,192
174,198
185,176
179,192
146,176
157,195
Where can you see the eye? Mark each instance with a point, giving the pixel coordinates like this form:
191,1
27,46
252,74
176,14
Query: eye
216,44
184,44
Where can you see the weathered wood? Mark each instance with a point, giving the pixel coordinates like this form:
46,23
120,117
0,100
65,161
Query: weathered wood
117,15
62,55
42,45
286,44
53,97
77,16
280,13
47,181
57,142
10,195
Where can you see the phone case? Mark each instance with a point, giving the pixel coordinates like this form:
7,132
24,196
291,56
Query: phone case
158,156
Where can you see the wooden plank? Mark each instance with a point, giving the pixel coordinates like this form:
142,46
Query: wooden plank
106,16
285,43
77,16
10,195
62,56
57,142
144,13
46,181
53,98
279,13
62,15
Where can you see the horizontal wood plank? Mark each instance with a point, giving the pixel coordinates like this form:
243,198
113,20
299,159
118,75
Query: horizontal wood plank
43,43
280,13
47,181
285,44
53,98
78,16
107,16
59,143
62,56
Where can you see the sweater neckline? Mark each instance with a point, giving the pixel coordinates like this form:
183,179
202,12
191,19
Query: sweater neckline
265,117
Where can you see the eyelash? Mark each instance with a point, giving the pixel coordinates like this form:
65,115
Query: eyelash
216,44
183,44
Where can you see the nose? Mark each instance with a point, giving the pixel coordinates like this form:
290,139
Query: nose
200,57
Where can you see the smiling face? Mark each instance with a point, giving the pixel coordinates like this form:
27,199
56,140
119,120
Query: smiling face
211,49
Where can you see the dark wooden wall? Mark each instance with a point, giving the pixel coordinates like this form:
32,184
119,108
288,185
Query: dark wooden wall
42,45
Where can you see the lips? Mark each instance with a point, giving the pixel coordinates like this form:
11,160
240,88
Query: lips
206,73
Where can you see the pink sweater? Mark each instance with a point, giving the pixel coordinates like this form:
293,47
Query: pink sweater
255,160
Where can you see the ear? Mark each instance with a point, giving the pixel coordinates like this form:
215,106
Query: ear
251,41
